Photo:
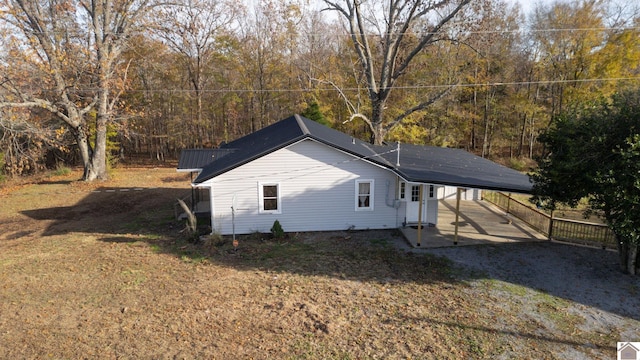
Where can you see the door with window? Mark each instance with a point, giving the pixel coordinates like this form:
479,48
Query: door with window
413,203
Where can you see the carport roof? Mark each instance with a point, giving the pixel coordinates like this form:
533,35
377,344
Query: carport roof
193,160
421,164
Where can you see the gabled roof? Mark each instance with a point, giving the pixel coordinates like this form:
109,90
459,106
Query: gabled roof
193,160
424,164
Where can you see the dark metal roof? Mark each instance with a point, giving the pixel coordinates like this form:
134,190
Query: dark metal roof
446,166
196,159
425,164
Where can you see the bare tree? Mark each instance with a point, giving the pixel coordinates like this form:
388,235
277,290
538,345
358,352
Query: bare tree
197,31
387,36
73,49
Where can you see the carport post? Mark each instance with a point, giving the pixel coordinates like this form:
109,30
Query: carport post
550,225
458,192
419,216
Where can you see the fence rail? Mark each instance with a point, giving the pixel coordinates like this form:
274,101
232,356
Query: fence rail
574,231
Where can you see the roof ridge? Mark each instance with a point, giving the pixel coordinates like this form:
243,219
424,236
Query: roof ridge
302,125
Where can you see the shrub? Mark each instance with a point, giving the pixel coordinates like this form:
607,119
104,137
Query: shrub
61,170
276,230
212,241
517,164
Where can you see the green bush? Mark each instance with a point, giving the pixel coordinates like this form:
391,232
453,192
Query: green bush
517,164
276,230
61,170
212,241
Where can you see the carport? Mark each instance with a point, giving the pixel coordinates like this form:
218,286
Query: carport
479,222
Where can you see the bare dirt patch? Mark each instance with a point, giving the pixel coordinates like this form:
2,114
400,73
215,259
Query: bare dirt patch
102,270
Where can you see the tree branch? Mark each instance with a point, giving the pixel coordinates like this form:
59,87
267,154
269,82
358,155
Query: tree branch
423,105
428,38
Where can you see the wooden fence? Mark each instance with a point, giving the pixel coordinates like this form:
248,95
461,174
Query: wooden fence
574,231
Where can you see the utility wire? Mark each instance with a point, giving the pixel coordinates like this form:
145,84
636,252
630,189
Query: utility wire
304,171
470,32
356,89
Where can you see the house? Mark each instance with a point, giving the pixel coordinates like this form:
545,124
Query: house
192,161
310,177
628,352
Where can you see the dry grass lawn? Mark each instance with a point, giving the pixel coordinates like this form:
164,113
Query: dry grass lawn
103,271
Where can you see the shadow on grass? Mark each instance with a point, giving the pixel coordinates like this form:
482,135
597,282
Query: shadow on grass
124,215
585,347
56,182
128,215
114,211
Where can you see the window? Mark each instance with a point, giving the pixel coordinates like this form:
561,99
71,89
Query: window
269,197
415,192
402,190
364,195
432,191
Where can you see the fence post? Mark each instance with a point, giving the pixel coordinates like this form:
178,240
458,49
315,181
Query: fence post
508,202
550,224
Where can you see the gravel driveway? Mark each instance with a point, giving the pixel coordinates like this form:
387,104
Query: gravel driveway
607,299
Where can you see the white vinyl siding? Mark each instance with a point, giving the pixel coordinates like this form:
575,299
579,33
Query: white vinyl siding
315,192
449,192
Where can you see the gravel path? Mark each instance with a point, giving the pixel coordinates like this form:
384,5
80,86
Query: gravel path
607,299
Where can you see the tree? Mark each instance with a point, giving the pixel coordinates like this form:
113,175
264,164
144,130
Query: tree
387,36
595,154
196,31
313,112
71,50
588,43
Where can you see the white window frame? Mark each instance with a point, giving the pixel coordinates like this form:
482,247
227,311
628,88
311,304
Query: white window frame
261,186
402,191
433,191
371,192
415,197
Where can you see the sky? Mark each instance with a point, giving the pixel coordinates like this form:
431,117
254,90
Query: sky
529,5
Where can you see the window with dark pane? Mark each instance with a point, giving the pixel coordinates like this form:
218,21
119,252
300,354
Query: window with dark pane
364,194
415,193
270,197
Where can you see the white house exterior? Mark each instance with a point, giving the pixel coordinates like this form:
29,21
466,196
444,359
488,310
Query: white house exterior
317,188
313,178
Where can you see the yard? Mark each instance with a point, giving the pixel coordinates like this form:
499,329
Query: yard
103,271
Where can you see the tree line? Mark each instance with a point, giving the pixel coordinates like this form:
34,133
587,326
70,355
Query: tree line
95,81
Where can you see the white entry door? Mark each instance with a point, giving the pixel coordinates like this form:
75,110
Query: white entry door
413,203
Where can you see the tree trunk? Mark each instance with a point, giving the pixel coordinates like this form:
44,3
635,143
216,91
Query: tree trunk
629,262
378,131
523,133
97,168
83,148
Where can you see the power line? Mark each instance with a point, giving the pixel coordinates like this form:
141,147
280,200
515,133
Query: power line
502,31
307,171
357,89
